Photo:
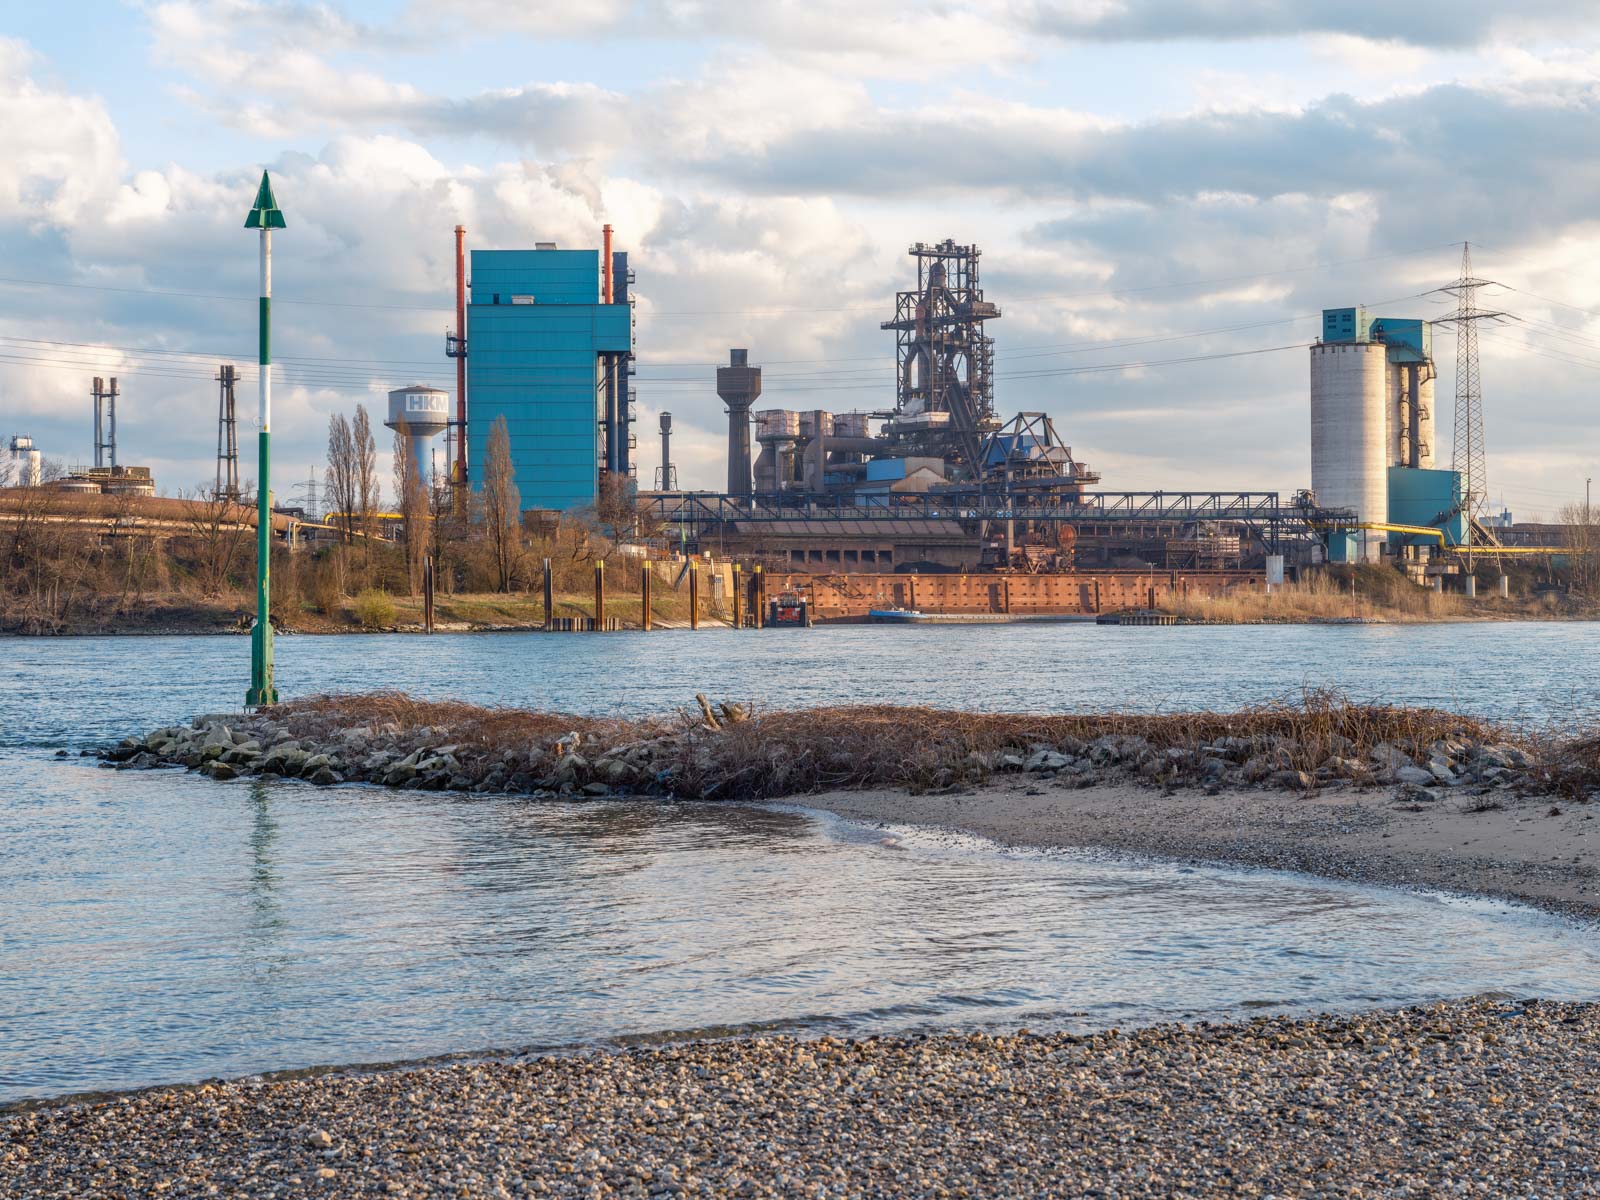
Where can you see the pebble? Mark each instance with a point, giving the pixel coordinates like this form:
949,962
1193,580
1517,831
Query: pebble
1489,1097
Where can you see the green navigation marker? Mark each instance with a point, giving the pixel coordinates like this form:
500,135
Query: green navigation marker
266,217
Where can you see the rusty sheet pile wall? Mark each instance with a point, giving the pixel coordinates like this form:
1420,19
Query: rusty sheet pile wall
851,597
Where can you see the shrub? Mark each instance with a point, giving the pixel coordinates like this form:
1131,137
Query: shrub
374,610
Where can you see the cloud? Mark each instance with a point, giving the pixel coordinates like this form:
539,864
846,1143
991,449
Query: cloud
1449,24
59,151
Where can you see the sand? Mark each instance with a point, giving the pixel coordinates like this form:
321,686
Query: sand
1532,849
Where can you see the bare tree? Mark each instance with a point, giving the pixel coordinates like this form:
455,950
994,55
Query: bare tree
502,506
369,491
340,480
219,531
1581,533
412,493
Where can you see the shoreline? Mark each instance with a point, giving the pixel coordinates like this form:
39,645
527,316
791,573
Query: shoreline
1533,850
707,620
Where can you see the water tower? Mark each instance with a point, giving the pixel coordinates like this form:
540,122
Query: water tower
419,414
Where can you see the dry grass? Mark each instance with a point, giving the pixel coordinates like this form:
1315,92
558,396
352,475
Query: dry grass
1389,597
790,753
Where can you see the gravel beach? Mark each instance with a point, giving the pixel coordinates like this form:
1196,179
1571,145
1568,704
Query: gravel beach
1482,1098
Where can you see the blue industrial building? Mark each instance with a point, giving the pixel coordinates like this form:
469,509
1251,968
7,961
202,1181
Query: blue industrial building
551,357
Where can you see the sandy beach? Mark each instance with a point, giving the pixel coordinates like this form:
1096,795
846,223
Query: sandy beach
1535,849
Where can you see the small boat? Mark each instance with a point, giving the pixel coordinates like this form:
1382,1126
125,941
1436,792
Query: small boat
789,609
894,616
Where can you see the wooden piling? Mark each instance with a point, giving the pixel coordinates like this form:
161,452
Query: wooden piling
738,598
427,593
758,597
549,596
694,595
644,596
599,595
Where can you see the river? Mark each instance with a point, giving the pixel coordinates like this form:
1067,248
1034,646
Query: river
160,927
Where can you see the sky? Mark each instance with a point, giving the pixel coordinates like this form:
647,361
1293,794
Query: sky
1166,194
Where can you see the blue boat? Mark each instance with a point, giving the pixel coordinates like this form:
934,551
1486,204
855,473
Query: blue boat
894,616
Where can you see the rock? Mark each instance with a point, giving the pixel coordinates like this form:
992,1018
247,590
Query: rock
1441,771
1298,780
1011,762
1045,760
399,774
323,776
596,789
219,770
319,1139
1414,775
1389,756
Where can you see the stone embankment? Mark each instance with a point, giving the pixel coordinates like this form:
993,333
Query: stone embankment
1488,1097
723,752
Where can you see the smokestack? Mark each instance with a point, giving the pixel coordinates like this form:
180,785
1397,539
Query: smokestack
605,256
668,482
739,384
458,471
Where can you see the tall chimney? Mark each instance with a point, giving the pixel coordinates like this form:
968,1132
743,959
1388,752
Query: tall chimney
605,264
668,482
739,384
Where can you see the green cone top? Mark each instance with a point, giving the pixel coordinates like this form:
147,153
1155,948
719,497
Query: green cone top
265,214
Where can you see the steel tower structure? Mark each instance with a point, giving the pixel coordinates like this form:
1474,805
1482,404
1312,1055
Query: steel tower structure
944,359
227,485
1467,455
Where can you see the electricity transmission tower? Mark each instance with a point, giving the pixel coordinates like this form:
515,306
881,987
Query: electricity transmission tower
1467,455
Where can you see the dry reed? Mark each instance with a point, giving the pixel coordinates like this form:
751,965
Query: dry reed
775,754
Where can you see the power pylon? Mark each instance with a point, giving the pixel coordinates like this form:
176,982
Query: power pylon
1467,456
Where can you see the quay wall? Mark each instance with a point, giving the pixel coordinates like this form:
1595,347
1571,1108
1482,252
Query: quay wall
850,597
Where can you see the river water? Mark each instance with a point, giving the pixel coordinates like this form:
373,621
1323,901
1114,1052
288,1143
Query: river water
159,927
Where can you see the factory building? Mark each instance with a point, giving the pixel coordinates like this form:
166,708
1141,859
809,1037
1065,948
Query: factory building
551,351
1372,433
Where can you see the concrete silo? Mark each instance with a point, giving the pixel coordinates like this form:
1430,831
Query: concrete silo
419,414
1350,433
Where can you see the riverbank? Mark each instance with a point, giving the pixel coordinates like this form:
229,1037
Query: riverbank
1486,1097
1529,848
490,612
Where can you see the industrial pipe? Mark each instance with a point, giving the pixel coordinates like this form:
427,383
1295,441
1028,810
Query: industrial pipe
459,469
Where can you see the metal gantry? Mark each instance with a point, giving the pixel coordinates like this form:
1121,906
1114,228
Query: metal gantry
1265,514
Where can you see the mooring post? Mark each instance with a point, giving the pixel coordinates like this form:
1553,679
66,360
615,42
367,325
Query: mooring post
427,593
694,595
644,596
549,596
758,585
738,599
599,595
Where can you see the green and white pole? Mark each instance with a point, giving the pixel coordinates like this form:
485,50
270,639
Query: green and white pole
265,217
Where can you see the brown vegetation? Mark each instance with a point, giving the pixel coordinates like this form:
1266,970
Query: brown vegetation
765,755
